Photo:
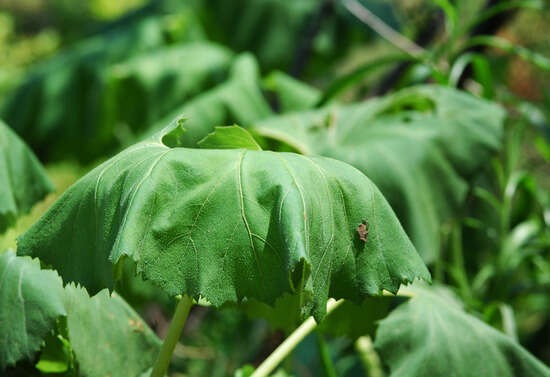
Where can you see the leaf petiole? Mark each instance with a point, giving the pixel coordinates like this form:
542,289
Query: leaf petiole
172,337
286,347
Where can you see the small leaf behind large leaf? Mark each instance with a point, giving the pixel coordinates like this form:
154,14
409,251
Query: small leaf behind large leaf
230,137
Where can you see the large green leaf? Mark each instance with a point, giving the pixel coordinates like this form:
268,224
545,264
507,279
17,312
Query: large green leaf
227,224
106,336
419,146
23,180
431,335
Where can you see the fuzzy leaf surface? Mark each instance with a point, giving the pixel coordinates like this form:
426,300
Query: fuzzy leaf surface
227,224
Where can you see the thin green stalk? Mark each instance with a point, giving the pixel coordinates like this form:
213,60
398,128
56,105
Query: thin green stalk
326,360
172,337
460,275
286,347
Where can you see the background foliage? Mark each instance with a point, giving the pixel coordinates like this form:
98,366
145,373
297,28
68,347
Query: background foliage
457,139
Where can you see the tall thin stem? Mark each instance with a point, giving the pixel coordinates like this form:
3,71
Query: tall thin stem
172,337
326,360
286,347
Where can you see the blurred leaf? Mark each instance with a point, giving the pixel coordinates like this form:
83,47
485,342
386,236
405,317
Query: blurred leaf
344,82
504,6
480,282
538,60
284,35
543,267
488,197
24,181
431,334
68,98
269,29
292,94
451,17
515,244
481,72
544,148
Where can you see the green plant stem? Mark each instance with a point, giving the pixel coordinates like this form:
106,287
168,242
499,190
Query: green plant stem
172,337
326,360
369,357
286,347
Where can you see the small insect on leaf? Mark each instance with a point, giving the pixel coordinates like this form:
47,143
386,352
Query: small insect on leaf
363,230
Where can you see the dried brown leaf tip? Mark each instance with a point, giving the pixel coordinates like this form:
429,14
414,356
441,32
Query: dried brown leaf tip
363,230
